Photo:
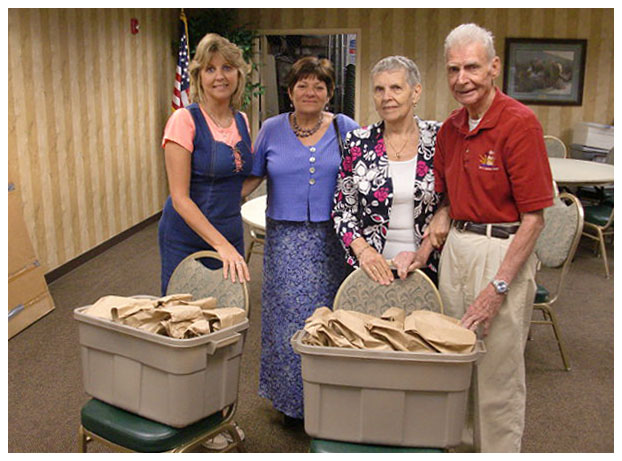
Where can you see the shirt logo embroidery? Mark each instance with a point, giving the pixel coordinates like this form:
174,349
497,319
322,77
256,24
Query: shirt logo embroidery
487,161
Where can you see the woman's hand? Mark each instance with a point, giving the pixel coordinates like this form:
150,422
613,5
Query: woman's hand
374,264
233,263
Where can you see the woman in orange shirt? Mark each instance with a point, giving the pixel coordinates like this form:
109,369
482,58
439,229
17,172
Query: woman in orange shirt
207,150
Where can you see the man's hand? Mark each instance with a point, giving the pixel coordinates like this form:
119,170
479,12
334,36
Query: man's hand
404,261
439,227
483,310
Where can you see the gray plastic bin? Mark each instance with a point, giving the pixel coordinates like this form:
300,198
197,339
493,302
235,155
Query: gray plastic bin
389,398
173,381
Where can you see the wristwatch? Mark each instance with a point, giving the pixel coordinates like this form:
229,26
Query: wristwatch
501,286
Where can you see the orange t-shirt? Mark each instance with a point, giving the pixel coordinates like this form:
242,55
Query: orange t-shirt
180,129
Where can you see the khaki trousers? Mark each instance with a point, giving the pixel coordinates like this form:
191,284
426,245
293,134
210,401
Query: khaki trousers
468,263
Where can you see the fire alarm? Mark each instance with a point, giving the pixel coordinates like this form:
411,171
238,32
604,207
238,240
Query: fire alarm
134,26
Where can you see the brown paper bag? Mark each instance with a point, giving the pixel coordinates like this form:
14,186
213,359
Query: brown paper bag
395,314
103,306
173,299
444,333
394,335
176,330
198,328
316,325
224,317
181,312
351,325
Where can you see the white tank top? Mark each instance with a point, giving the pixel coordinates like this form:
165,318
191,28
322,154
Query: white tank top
401,231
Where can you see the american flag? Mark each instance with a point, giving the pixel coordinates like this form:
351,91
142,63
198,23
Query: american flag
182,80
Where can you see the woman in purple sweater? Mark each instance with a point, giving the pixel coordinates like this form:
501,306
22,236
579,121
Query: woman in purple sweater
304,263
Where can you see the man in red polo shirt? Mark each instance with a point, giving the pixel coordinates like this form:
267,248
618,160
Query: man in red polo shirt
492,168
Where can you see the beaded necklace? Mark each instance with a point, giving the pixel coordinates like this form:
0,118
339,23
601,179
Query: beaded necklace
305,133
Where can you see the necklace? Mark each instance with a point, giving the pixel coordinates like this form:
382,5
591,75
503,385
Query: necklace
216,120
398,153
302,132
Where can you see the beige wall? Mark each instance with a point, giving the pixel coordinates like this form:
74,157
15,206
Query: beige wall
87,104
419,34
87,100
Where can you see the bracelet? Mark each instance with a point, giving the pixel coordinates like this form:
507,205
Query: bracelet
368,247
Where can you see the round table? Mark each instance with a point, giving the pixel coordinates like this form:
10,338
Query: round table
572,172
254,212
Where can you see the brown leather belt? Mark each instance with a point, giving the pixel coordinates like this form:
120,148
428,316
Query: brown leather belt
496,230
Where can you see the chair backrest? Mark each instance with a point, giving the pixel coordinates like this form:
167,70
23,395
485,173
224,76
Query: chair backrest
609,157
555,147
192,276
360,293
558,241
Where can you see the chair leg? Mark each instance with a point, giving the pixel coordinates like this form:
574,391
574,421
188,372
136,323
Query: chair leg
603,251
249,251
562,350
82,440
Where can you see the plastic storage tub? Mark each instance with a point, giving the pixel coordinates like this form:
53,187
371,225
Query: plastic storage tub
173,381
388,398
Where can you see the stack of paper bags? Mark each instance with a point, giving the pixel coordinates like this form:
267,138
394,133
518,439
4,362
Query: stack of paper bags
421,331
177,316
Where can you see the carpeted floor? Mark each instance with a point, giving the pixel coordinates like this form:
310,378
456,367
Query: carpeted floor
566,411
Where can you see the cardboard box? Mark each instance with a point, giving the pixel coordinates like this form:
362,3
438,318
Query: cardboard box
21,251
25,315
29,297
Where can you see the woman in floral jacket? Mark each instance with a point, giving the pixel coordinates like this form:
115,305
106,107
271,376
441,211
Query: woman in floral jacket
385,196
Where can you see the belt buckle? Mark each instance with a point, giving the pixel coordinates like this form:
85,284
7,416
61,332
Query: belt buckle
461,226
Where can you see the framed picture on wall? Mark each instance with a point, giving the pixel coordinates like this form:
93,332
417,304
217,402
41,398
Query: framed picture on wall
545,71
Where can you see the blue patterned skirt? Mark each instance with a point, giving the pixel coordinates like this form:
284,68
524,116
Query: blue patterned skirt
304,265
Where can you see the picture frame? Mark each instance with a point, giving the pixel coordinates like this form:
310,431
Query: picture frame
545,71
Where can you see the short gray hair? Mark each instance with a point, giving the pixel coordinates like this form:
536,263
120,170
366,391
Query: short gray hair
413,76
465,34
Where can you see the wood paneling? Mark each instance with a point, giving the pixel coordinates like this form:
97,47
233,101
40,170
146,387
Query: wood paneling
419,34
88,100
87,104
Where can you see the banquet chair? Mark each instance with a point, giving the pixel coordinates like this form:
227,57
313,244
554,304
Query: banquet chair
193,277
555,147
598,226
555,248
597,194
128,432
258,240
359,293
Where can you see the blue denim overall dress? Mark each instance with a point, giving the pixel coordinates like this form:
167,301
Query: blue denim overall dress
215,186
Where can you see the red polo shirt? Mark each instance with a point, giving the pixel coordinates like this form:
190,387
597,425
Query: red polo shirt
498,170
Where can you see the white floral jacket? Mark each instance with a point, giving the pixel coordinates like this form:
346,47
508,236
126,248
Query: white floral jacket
364,192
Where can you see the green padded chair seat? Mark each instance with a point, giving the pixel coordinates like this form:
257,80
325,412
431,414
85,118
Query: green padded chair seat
542,295
597,214
595,193
332,446
139,434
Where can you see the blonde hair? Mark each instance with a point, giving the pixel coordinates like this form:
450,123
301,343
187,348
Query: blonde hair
207,47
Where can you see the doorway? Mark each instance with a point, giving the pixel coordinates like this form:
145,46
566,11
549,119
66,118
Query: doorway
278,51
